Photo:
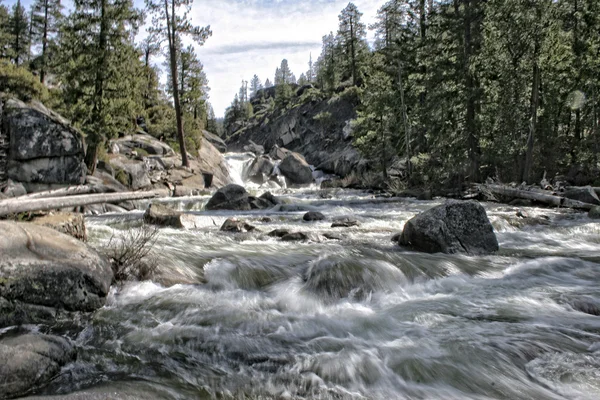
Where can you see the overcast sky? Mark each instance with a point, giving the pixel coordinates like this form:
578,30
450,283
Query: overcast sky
253,36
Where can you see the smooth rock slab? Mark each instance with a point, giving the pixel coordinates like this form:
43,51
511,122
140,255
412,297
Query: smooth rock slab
453,227
30,361
44,267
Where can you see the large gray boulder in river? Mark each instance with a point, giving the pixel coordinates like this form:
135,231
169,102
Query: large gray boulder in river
31,361
296,170
235,197
453,227
44,272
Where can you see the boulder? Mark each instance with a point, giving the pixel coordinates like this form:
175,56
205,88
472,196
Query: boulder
161,215
236,225
270,198
148,145
313,216
585,194
453,227
42,267
43,147
230,197
344,222
215,141
68,223
133,173
278,153
594,213
259,170
296,170
259,203
14,189
210,160
252,147
34,361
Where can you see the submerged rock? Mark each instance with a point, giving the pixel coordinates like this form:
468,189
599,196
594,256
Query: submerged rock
345,222
296,170
236,225
313,216
295,236
335,278
278,233
34,361
42,267
453,227
159,214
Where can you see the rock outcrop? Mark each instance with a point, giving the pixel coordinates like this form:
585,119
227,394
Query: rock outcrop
260,170
39,146
453,227
143,144
317,127
31,361
216,141
235,197
43,271
68,223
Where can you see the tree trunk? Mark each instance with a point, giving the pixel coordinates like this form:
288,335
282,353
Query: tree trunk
471,129
44,43
533,117
404,119
546,198
97,138
8,207
171,33
68,191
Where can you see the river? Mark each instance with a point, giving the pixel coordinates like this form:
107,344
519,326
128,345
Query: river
250,317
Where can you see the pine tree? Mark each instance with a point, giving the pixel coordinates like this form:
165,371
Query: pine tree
352,36
327,64
310,74
255,85
5,41
19,34
268,83
171,20
302,80
98,68
46,15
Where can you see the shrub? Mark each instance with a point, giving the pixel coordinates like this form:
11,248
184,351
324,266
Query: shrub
20,82
130,253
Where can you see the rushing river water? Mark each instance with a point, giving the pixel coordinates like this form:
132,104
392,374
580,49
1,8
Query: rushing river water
248,316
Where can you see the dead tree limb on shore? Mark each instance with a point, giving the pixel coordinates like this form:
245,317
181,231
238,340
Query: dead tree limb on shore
538,195
8,207
62,192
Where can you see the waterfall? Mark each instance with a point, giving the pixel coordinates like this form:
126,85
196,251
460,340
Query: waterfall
237,164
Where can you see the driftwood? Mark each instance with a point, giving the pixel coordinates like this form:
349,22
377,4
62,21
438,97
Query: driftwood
15,206
68,191
545,197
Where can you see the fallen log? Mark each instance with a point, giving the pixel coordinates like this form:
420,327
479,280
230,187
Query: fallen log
68,191
8,207
539,196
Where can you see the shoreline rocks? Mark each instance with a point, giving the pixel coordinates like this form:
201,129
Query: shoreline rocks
43,271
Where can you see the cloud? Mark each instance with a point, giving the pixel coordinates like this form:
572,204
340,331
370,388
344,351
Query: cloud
258,47
253,36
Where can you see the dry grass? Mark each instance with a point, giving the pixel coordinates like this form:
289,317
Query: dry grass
131,255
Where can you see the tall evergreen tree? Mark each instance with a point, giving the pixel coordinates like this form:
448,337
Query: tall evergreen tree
352,35
255,85
268,83
5,34
46,15
19,34
171,20
98,68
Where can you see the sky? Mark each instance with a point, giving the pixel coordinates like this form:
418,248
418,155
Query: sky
253,36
